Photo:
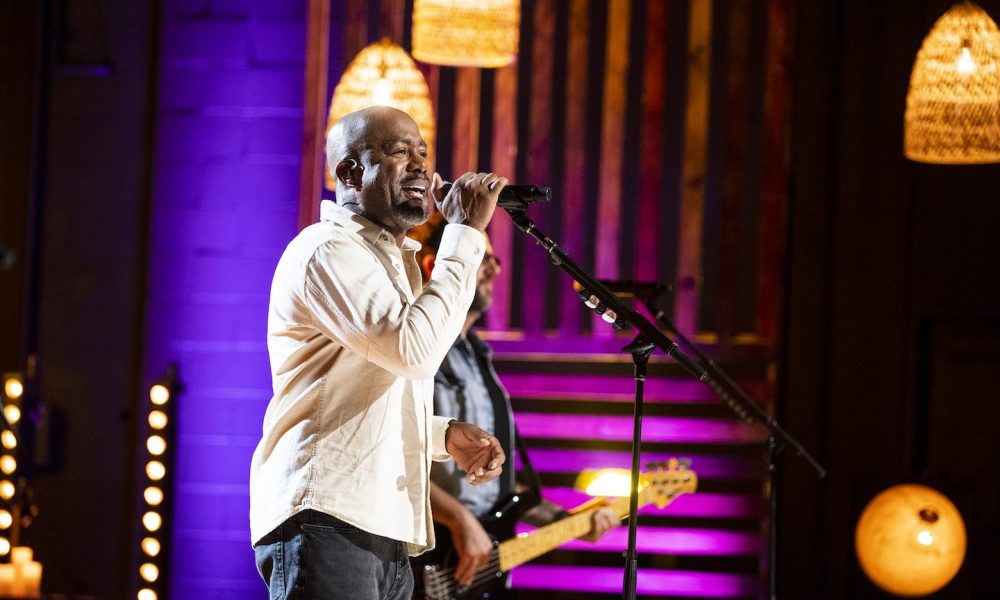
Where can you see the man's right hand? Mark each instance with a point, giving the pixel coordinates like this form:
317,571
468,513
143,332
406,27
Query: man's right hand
471,199
473,546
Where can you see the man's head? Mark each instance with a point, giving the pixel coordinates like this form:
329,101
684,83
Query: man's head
378,160
429,235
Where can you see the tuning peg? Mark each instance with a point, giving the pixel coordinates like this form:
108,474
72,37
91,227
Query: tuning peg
656,465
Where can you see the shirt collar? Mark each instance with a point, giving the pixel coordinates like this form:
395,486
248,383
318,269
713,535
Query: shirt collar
352,221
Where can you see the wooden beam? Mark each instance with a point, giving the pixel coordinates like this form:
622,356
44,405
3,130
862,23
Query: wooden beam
504,161
314,122
694,168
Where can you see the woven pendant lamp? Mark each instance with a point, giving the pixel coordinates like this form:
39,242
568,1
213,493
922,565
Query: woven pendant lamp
466,33
953,106
383,74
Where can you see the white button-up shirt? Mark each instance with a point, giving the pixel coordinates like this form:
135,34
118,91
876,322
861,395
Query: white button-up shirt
354,343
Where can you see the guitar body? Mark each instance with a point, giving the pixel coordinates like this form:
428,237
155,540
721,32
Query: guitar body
433,578
500,522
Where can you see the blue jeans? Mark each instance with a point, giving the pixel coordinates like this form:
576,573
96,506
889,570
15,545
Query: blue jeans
313,556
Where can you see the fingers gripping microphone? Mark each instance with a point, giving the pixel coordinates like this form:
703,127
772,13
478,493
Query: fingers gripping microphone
517,197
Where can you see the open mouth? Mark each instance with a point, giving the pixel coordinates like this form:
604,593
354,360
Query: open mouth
414,192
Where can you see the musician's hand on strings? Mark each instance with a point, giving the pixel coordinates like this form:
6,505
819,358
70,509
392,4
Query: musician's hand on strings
475,450
473,546
601,522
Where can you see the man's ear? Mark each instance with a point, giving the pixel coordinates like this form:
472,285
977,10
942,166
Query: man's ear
348,173
427,264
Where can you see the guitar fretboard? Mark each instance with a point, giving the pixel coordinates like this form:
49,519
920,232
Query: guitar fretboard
521,549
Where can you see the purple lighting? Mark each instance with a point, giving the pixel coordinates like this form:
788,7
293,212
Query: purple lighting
699,504
608,580
672,540
619,429
572,460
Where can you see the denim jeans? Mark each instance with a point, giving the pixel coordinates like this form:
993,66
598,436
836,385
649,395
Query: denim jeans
313,556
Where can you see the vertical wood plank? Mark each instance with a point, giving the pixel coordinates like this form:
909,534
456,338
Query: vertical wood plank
314,123
612,141
651,142
731,260
355,28
535,265
465,136
504,160
391,16
774,195
574,186
694,165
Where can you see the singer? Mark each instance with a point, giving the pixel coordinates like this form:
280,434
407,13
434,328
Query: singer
339,490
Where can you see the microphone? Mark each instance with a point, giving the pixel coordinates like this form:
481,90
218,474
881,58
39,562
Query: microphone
517,197
644,290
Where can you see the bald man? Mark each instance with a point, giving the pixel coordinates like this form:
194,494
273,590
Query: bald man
339,490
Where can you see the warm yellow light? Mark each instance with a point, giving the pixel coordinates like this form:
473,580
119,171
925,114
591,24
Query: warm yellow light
8,439
383,74
157,419
952,113
604,482
466,33
965,63
13,387
8,464
4,546
910,540
6,519
156,445
159,394
149,572
12,413
152,520
151,546
146,594
153,495
6,489
155,470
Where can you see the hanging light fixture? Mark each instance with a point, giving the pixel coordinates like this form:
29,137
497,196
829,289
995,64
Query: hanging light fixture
466,33
953,106
910,540
383,74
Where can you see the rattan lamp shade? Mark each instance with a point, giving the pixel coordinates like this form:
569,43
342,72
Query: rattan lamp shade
383,74
466,33
953,106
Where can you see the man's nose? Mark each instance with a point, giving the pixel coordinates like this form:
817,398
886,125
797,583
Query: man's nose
418,162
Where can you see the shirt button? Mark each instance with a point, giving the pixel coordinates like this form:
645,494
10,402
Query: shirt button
476,251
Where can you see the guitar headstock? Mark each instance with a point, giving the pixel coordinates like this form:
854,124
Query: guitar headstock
662,483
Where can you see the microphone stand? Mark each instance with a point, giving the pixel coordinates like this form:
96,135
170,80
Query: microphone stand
615,312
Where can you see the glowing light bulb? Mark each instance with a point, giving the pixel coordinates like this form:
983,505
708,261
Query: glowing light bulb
149,572
151,546
155,470
8,464
159,394
8,439
157,419
153,495
925,537
965,63
13,387
12,413
156,445
6,519
4,546
152,520
146,594
6,489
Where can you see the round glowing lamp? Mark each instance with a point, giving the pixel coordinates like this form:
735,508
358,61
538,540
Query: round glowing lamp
8,439
13,387
157,419
6,519
152,521
149,572
7,489
159,394
4,546
156,445
8,464
910,540
153,495
151,546
12,413
146,594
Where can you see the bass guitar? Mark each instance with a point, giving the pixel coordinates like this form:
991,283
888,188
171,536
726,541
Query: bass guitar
659,487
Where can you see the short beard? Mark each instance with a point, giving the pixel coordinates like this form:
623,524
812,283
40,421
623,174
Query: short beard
407,216
480,303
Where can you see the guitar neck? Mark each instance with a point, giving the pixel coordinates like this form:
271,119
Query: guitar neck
519,550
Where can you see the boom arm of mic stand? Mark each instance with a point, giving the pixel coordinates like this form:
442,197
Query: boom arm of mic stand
606,296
